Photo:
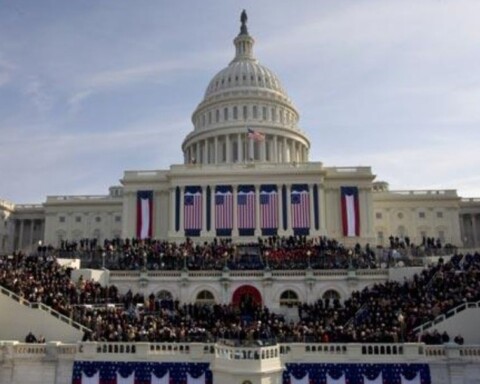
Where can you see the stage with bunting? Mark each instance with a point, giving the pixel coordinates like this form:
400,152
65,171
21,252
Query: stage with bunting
89,372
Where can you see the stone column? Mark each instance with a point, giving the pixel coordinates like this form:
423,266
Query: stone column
197,153
182,197
275,149
312,210
228,149
263,149
239,148
172,211
204,210
322,209
205,151
289,210
20,237
215,149
30,241
284,149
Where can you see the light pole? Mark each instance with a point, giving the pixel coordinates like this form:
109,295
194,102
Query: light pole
267,263
225,258
309,255
185,261
144,261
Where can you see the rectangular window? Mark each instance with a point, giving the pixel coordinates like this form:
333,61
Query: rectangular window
439,215
380,237
254,112
264,113
209,117
235,113
61,219
217,116
245,112
78,219
421,215
378,215
441,236
118,219
225,114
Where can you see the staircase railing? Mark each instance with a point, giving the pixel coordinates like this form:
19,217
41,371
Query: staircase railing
44,308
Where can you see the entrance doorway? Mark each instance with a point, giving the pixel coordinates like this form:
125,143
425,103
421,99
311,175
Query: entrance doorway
247,299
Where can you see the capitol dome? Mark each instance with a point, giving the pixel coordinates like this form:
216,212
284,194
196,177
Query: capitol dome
245,115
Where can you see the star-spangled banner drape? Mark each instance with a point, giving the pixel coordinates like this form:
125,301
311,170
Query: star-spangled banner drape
246,210
110,372
358,373
223,210
350,211
300,204
268,209
144,214
192,214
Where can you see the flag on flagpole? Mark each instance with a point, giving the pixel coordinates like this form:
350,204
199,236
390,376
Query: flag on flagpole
350,211
144,214
255,135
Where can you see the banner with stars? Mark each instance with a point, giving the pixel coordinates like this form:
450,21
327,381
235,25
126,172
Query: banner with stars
111,372
356,374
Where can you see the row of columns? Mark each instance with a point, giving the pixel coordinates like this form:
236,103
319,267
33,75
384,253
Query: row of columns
235,233
274,148
25,239
470,225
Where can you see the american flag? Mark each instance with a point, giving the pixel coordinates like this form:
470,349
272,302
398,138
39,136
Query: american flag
300,200
255,135
268,207
111,372
223,207
246,207
193,208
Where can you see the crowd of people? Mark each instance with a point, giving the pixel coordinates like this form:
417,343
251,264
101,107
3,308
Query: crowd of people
386,312
272,252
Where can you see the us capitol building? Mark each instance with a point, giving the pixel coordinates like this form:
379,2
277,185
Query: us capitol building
246,173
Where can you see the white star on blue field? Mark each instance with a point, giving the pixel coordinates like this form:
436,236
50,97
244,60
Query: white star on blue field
89,89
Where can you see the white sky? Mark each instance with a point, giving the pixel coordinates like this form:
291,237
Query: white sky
91,88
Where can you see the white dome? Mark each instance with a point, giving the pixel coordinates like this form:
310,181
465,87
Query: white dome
244,74
245,97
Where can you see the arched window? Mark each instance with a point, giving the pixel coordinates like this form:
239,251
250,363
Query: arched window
288,298
331,294
235,113
225,114
205,297
164,295
255,112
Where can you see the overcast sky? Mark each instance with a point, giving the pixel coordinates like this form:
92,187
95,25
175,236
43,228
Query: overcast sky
89,88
